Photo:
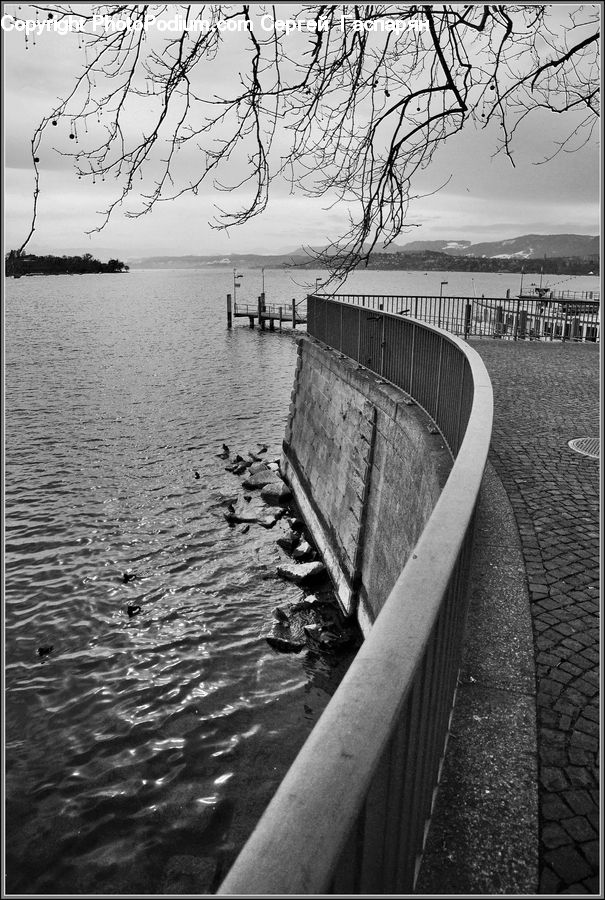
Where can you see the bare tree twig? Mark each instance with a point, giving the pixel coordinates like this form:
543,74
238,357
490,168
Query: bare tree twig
350,114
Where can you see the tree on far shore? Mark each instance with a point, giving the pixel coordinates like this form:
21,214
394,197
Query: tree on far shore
17,263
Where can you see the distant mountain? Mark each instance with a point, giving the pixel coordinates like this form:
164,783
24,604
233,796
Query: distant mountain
308,251
528,246
231,260
452,247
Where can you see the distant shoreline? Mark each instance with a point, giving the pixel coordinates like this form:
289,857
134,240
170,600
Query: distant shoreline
45,274
18,265
425,262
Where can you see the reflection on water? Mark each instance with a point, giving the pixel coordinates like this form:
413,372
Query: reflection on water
143,747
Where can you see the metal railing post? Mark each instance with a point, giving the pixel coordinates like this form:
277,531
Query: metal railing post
565,307
468,312
517,318
412,360
438,398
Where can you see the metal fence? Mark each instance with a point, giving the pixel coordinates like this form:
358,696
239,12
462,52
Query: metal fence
422,361
272,311
350,815
527,318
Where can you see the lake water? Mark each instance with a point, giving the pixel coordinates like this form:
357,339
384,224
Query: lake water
141,750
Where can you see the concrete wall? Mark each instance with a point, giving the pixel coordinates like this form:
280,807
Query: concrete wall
365,471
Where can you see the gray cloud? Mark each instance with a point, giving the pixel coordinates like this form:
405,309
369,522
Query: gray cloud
485,196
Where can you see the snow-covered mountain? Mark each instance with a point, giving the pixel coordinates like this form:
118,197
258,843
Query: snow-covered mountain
528,246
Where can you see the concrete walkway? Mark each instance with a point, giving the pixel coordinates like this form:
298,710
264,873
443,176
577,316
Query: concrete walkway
546,394
483,837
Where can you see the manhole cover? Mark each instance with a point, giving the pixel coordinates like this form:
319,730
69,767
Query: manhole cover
586,446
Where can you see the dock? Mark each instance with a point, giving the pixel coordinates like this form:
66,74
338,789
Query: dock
263,313
555,316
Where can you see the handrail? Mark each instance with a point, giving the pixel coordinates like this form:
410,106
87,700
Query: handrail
515,318
349,815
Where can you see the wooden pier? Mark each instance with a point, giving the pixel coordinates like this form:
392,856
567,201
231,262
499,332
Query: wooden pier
262,313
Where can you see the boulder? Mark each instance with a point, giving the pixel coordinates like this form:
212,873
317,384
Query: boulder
268,521
303,550
286,643
276,492
258,467
327,639
251,512
300,572
295,523
312,622
288,541
260,479
286,633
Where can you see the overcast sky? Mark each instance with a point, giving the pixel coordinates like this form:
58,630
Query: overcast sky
486,197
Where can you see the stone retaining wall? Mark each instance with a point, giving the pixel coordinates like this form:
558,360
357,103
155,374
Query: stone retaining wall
366,467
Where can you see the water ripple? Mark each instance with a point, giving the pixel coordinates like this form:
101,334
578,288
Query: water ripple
137,739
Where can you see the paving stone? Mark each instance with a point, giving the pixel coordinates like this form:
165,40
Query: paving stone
545,394
553,756
587,726
579,801
554,779
579,828
553,808
592,885
554,836
569,865
584,741
579,757
591,851
580,776
553,736
594,819
549,882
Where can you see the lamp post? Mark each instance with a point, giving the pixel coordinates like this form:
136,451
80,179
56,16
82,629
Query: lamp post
318,284
440,301
236,277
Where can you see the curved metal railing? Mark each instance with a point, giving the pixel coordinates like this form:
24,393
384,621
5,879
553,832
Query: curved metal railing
350,814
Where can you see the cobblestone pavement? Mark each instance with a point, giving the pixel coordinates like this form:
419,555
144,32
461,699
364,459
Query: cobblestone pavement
545,395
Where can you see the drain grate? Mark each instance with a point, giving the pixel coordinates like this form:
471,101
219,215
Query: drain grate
586,446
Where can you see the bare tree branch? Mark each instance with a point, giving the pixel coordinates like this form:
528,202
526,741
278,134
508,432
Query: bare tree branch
349,104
